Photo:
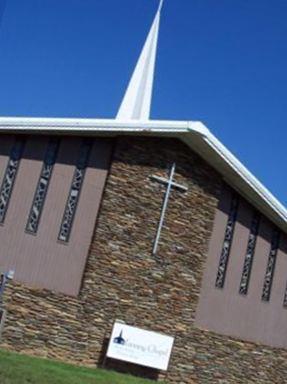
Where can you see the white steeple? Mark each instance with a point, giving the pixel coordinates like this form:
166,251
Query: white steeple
137,100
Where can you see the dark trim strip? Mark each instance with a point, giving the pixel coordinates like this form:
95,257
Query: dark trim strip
10,176
74,194
42,186
268,280
224,257
251,245
285,298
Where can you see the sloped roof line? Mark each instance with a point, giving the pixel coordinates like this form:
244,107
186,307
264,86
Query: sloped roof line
195,134
248,178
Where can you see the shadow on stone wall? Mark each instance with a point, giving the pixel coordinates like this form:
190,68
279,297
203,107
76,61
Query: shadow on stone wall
123,367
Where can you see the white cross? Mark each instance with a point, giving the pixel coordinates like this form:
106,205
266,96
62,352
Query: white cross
170,184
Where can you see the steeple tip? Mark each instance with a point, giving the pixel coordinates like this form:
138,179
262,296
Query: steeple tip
136,103
160,5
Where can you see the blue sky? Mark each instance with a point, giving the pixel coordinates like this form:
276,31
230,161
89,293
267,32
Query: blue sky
219,61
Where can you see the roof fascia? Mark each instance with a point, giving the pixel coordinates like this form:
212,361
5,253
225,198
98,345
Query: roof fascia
11,124
194,133
262,198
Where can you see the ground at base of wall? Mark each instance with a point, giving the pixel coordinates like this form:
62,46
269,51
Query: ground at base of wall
20,369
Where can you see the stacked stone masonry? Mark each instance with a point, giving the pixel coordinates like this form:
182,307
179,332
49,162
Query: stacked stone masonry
124,281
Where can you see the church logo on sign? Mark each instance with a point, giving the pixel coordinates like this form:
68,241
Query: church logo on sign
130,346
120,340
139,346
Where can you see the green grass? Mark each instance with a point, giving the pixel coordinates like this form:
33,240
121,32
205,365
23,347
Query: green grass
20,369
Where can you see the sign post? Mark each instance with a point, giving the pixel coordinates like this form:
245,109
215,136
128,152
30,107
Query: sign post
4,277
2,319
141,347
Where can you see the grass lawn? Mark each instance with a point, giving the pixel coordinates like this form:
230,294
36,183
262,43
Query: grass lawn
19,369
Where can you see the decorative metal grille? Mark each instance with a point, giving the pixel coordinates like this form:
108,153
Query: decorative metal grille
270,266
42,187
224,257
243,289
10,176
75,190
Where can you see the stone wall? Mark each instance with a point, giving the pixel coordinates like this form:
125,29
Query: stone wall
124,281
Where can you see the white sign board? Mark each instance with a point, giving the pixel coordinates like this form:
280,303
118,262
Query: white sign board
140,347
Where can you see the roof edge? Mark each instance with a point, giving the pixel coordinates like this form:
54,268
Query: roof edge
108,124
247,176
194,133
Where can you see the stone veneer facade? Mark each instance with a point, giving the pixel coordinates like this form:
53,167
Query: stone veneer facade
124,281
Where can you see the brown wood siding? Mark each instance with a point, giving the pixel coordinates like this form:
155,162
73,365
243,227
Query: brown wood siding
225,311
41,260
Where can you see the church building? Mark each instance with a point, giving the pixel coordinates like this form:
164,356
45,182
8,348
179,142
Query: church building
153,223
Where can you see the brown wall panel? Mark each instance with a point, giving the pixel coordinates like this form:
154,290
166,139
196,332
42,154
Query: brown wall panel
41,260
225,311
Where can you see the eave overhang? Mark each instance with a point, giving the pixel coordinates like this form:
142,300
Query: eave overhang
195,134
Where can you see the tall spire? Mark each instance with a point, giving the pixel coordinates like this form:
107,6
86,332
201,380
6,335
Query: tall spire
137,100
